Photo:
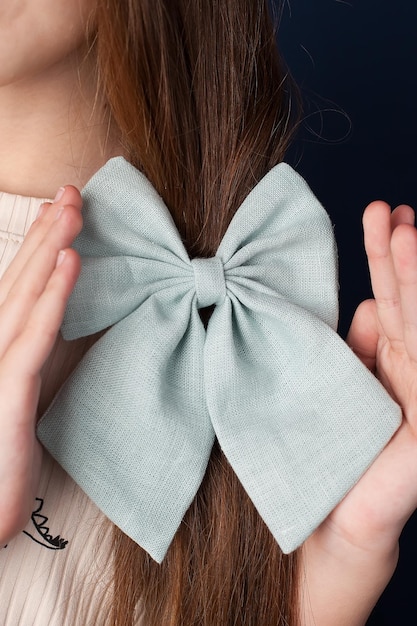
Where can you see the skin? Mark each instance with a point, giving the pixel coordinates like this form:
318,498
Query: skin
53,133
33,294
51,126
41,34
351,557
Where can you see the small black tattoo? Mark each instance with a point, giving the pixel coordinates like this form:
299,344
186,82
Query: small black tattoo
41,532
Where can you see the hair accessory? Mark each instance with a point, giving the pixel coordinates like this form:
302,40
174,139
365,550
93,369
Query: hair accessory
297,415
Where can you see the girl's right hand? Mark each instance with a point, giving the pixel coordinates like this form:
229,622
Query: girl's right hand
33,295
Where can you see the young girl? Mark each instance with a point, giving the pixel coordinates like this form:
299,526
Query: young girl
193,94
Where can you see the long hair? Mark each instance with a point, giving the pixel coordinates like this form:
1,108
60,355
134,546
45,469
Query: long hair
203,105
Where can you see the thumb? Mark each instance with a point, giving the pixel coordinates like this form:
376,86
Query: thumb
363,334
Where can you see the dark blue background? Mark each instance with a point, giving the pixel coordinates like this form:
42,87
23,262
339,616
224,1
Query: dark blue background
356,64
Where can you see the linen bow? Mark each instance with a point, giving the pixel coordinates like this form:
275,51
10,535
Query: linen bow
297,415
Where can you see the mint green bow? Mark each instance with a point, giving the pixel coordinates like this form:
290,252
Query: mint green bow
298,417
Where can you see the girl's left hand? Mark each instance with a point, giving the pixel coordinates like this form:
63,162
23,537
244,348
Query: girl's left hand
350,558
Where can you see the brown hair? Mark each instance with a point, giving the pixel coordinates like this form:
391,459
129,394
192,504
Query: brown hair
197,90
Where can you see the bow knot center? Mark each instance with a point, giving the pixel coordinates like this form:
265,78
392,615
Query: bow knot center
210,284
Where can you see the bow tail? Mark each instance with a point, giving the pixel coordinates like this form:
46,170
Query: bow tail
298,416
131,425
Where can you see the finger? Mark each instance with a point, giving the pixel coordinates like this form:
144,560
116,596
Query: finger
32,347
71,196
404,251
402,214
34,276
363,333
377,231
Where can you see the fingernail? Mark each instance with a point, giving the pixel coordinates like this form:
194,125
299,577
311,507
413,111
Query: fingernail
59,194
61,257
59,212
40,211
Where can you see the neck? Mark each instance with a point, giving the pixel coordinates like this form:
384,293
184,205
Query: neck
53,132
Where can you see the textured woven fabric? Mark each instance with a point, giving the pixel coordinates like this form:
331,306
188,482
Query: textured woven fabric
297,415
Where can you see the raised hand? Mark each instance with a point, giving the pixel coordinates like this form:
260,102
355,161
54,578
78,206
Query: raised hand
384,335
350,558
33,295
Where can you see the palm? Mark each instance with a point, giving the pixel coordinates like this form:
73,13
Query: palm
384,336
398,373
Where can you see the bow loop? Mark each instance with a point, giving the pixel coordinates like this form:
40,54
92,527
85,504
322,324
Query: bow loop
209,279
296,414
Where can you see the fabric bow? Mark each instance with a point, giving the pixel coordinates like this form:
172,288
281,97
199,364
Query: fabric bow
297,415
